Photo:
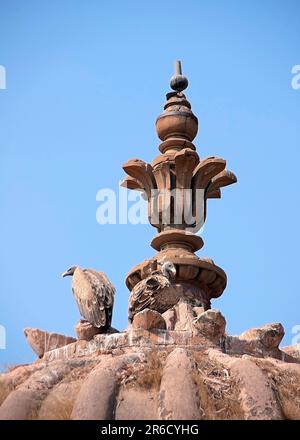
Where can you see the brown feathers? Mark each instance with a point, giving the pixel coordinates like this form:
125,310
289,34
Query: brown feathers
94,295
151,293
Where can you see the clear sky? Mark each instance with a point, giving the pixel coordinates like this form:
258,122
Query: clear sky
85,82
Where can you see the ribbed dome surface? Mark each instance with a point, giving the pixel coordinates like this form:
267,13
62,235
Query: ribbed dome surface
191,370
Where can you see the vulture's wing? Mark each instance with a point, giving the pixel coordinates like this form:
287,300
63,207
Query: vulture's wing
144,293
94,295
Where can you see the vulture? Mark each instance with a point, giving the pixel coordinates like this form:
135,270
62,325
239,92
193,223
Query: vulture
154,292
94,295
160,292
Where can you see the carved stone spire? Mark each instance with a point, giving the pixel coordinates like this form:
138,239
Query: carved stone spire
177,185
177,126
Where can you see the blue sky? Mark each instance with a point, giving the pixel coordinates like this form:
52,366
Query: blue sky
85,83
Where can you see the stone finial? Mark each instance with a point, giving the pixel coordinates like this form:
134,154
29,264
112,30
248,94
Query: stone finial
178,82
177,126
177,185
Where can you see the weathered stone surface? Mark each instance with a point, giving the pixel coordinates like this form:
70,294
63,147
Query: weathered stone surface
184,316
148,320
59,403
198,310
20,405
136,404
97,397
285,378
170,319
24,402
16,376
211,324
41,341
257,398
292,350
269,335
85,330
235,345
178,396
177,374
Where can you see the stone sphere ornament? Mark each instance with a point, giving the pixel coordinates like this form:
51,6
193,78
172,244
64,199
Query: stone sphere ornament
178,82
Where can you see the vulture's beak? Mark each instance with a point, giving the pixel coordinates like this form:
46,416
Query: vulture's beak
173,271
64,274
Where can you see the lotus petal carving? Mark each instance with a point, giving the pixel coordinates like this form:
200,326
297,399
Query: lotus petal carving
142,172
